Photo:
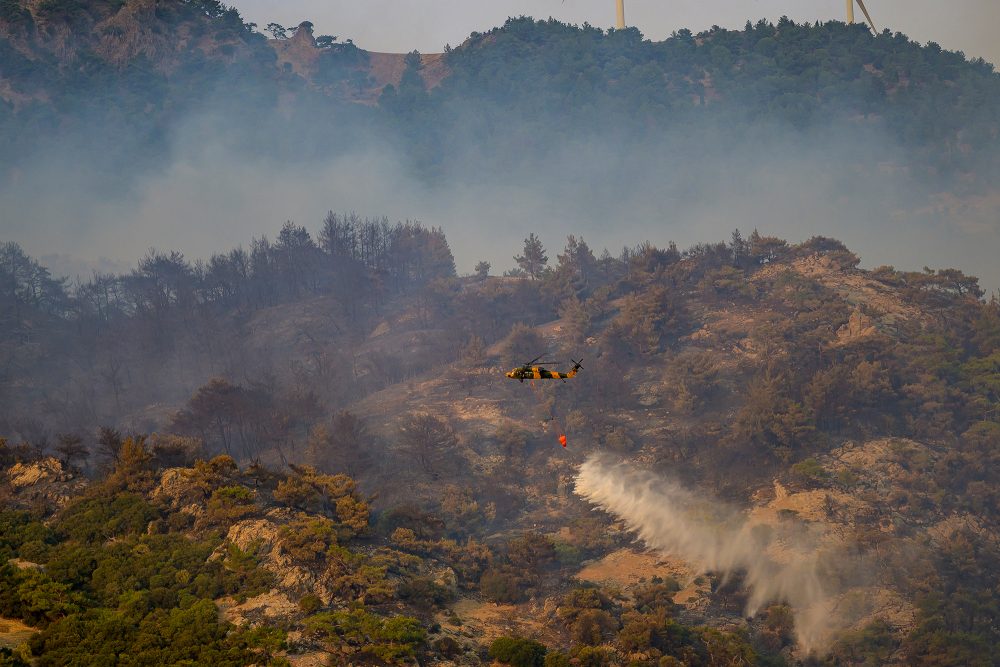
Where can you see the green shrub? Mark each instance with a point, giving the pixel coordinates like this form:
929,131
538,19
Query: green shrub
810,470
307,540
657,595
846,478
556,659
166,568
32,596
244,573
567,554
98,519
591,625
448,647
518,652
873,644
590,656
8,658
193,635
18,530
310,603
228,505
501,586
422,591
387,640
297,493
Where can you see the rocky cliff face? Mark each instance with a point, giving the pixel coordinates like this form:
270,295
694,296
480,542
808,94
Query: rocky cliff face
299,52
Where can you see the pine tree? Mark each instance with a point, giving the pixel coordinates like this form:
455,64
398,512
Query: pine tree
738,247
534,259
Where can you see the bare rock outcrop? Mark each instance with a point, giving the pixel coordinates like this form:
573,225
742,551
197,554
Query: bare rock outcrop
23,475
181,489
46,480
299,51
262,536
859,326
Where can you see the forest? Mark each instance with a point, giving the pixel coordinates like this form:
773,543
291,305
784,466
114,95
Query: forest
187,314
543,81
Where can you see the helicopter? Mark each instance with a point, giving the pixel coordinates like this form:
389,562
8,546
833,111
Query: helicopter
533,371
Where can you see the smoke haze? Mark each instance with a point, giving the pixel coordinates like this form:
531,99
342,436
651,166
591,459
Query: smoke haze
228,173
209,197
715,538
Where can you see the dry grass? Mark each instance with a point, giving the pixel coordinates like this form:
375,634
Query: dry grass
388,68
485,621
13,632
627,568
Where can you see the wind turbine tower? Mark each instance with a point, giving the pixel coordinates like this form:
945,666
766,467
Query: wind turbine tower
621,15
850,13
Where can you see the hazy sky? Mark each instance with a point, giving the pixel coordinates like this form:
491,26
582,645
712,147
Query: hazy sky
427,25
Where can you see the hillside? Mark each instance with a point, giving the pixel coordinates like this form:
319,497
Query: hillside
120,75
304,450
139,68
765,79
812,408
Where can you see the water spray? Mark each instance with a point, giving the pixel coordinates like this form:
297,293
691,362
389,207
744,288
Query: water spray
712,537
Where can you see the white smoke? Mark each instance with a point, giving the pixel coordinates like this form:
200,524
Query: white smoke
793,566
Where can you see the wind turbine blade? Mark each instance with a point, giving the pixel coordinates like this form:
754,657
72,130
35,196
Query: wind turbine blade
861,3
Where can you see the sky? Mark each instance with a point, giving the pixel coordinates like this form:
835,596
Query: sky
399,26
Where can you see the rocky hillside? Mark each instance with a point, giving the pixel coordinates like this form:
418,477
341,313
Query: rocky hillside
811,421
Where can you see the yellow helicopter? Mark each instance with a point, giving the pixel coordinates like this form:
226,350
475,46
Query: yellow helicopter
533,371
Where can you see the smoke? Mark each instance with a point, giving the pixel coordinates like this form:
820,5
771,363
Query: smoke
209,197
219,173
792,565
